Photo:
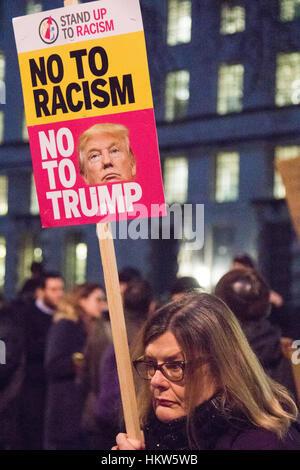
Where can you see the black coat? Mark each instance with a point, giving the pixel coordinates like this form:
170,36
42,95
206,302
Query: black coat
215,431
264,339
64,397
12,369
36,326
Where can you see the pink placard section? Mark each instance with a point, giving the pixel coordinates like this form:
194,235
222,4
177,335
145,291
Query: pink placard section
67,197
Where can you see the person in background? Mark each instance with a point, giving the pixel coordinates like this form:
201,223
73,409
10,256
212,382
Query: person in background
248,296
74,321
201,386
98,340
127,275
137,300
12,372
183,285
244,261
2,300
28,291
37,319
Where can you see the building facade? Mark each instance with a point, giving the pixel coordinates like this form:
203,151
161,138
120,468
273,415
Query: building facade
225,78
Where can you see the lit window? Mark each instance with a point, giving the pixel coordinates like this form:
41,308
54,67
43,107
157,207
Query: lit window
2,260
75,260
179,22
176,180
288,79
38,255
25,136
1,126
2,66
3,194
190,263
227,176
230,88
81,256
34,205
29,251
177,94
232,19
33,6
289,10
2,79
283,153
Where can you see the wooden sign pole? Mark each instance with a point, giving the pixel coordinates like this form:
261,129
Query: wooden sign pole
70,2
118,326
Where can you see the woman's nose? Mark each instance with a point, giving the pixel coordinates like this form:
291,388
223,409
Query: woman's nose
159,380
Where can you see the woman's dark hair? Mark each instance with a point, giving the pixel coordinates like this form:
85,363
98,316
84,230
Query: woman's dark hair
129,274
184,284
137,297
246,293
245,260
82,291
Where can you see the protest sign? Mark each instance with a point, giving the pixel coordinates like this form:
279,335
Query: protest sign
89,112
290,173
92,134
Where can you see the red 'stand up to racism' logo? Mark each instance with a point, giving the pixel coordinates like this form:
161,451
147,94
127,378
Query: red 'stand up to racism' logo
48,30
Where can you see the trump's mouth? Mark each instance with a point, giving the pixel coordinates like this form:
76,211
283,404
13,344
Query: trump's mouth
111,177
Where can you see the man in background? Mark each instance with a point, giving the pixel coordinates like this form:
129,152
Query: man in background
37,319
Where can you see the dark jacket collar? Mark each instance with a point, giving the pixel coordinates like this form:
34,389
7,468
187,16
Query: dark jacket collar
206,426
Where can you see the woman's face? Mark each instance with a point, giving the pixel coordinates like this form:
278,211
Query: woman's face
94,304
168,396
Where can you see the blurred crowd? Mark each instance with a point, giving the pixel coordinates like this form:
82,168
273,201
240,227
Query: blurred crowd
59,386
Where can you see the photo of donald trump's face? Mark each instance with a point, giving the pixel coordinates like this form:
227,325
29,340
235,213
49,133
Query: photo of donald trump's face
105,155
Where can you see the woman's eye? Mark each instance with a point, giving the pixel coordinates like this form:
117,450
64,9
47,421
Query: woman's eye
173,367
149,364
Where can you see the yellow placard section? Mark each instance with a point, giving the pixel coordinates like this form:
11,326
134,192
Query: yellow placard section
86,79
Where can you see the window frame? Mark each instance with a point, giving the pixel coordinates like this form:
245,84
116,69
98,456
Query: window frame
222,98
4,202
284,6
174,23
217,198
227,9
281,91
173,159
172,103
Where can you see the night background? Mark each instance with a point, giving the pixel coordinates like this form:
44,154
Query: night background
225,79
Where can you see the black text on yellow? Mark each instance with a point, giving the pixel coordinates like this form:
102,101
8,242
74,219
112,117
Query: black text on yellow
82,94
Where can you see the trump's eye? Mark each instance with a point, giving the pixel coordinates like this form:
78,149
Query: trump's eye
114,149
94,156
